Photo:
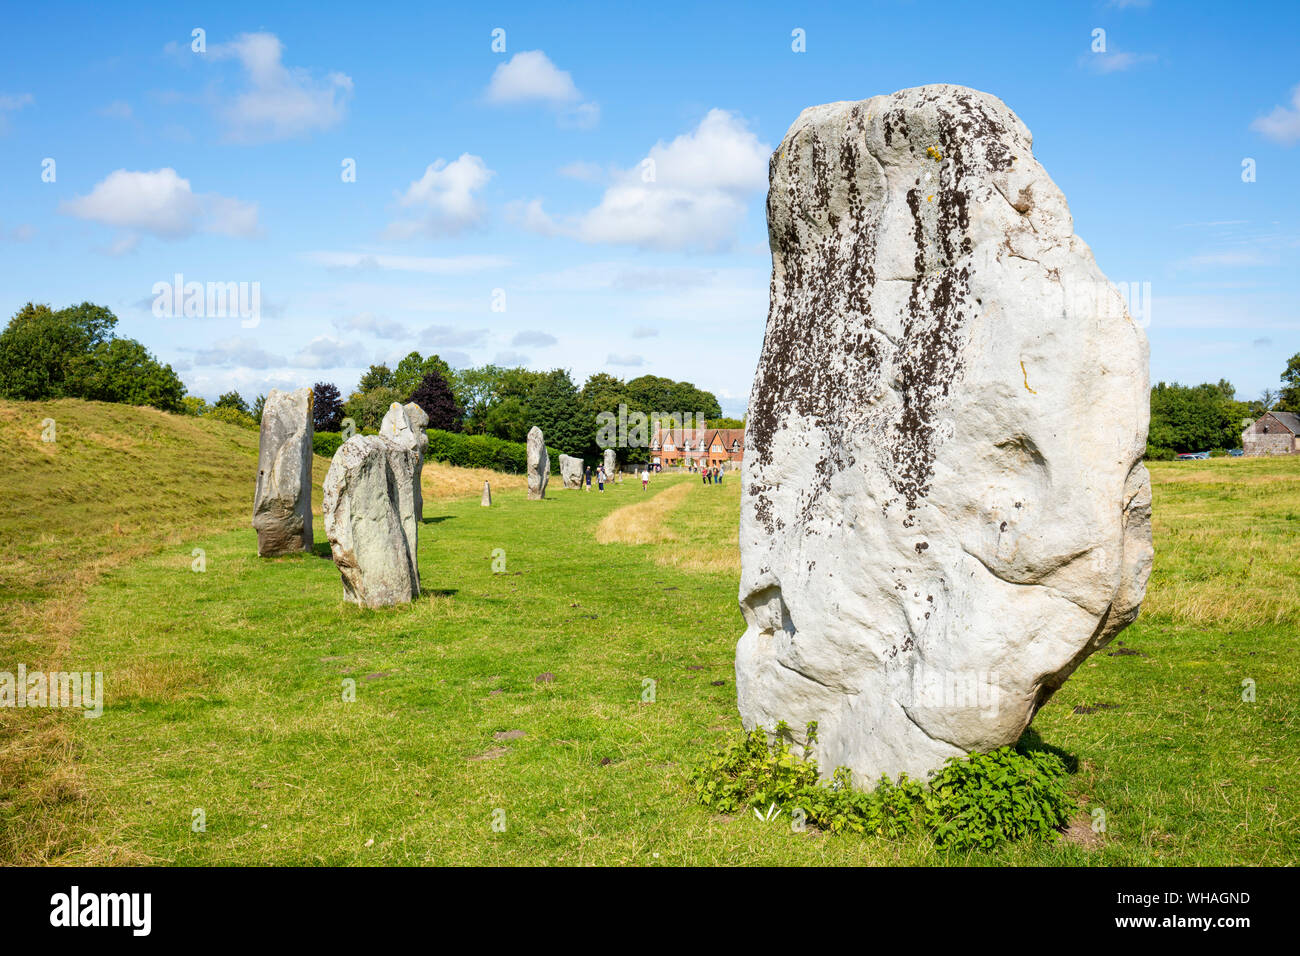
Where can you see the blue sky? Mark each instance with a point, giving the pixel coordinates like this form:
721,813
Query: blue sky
519,172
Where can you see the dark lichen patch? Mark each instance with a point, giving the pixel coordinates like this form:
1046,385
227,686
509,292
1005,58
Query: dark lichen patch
825,353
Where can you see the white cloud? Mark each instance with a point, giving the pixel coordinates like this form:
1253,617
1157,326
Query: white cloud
432,265
644,332
531,77
1115,61
236,352
327,352
118,109
449,335
583,171
690,193
162,204
12,103
1283,124
444,198
535,338
369,322
279,102
509,359
630,360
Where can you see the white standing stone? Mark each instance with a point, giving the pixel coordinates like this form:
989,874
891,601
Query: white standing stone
611,463
486,500
539,465
370,536
282,499
944,507
571,472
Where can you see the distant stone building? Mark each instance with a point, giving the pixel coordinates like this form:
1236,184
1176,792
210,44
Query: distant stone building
1276,433
697,447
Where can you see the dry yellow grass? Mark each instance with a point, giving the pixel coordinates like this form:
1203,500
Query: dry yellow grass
1227,538
684,524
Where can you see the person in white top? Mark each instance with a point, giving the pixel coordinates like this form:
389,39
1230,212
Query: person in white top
645,478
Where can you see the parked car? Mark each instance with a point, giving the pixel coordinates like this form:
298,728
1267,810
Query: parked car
1235,452
1193,455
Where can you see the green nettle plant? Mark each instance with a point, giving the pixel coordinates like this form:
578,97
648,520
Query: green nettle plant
974,802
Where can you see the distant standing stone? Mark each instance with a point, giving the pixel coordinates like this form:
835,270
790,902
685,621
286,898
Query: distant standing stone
539,465
371,539
487,495
282,501
571,472
611,462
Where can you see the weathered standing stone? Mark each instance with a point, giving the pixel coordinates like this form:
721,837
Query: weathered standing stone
570,471
370,534
539,465
944,503
611,463
486,500
419,420
282,500
400,428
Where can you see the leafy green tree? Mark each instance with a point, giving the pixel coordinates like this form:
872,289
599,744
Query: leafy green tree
1194,418
508,420
233,400
45,354
194,405
259,406
476,390
726,423
367,409
377,376
413,369
1289,398
557,410
122,370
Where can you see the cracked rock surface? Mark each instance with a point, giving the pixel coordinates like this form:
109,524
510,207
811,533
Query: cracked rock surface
944,506
282,499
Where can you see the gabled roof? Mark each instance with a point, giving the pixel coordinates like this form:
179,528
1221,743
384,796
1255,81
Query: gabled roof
1289,420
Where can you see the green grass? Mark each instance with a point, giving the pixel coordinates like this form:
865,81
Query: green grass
224,692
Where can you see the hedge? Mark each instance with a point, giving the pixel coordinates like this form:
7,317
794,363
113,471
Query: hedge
466,451
477,451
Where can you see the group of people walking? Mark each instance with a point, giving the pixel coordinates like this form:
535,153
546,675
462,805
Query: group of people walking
711,476
600,476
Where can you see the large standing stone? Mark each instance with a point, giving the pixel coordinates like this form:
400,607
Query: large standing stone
611,463
945,508
486,500
369,524
282,501
539,465
571,472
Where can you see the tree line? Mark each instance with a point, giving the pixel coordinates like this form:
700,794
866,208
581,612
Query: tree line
74,353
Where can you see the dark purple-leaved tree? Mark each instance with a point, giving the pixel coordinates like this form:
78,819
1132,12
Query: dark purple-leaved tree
326,408
434,395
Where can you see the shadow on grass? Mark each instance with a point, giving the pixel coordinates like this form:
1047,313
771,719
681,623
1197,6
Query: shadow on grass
322,550
439,519
1031,742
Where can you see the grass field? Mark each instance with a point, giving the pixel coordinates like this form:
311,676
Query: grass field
520,697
